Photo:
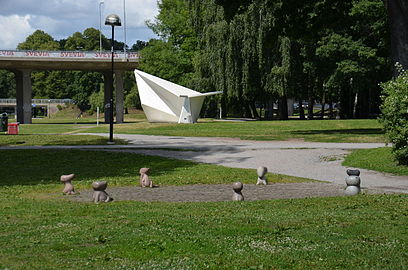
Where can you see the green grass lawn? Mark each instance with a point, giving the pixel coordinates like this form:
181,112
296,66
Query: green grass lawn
367,130
54,139
316,130
378,159
118,168
39,230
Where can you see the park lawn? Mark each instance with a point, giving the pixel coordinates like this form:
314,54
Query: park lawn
359,232
367,130
53,139
377,159
45,166
40,230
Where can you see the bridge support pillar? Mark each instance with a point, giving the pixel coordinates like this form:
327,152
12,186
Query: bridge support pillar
24,95
107,95
119,96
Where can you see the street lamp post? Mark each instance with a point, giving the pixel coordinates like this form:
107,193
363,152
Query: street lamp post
112,20
100,24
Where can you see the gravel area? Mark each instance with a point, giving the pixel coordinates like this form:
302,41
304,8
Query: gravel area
213,193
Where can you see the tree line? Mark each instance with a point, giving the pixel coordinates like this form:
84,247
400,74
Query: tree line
260,53
264,52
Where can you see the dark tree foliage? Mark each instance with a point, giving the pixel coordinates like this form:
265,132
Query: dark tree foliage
262,52
398,17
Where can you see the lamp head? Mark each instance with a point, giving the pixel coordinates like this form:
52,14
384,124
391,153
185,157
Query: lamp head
113,20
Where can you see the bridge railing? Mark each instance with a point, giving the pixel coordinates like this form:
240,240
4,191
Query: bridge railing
69,54
38,101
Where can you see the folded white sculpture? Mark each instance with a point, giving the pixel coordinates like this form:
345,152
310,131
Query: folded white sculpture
164,101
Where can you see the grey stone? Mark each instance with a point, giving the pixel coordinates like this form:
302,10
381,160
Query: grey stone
352,190
353,172
353,180
68,186
262,175
237,187
100,194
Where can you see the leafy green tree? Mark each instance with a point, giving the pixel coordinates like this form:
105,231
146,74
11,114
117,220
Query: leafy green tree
96,99
132,100
39,40
395,114
397,11
171,57
139,45
7,84
272,49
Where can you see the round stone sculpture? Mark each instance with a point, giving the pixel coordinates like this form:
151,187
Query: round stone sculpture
352,190
237,187
353,182
68,186
100,194
353,172
262,175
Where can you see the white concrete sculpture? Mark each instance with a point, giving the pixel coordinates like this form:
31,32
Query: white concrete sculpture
164,101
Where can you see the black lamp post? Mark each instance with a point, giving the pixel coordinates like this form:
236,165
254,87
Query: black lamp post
112,20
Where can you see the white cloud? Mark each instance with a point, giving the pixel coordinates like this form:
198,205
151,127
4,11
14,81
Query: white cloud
137,11
62,18
15,29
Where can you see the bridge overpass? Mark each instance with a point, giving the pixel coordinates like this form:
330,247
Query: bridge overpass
22,63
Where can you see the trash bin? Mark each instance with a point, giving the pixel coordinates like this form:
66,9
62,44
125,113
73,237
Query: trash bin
3,122
12,129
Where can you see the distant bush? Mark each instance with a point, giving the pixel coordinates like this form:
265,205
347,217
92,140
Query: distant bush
96,100
395,114
132,100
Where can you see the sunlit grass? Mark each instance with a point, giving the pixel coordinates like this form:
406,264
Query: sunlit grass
378,159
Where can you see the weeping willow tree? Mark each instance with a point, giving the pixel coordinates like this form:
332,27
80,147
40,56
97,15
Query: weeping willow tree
236,54
261,52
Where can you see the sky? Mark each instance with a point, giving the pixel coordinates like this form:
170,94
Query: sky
62,18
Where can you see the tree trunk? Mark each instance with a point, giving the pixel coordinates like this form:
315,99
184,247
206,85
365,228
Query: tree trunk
330,110
398,19
283,108
254,111
323,102
310,106
301,111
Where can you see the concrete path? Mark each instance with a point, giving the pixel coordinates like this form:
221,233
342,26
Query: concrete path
320,161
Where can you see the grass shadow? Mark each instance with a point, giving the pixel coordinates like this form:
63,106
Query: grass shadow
357,131
32,167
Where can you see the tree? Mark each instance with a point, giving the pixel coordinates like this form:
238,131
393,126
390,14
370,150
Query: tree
7,84
139,45
398,17
273,49
87,41
395,114
171,57
39,40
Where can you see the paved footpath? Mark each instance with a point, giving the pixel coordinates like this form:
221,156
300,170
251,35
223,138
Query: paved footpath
320,161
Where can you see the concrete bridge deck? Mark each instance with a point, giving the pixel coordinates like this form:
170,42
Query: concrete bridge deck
21,63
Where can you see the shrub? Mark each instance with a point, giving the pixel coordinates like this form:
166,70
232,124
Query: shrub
395,115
